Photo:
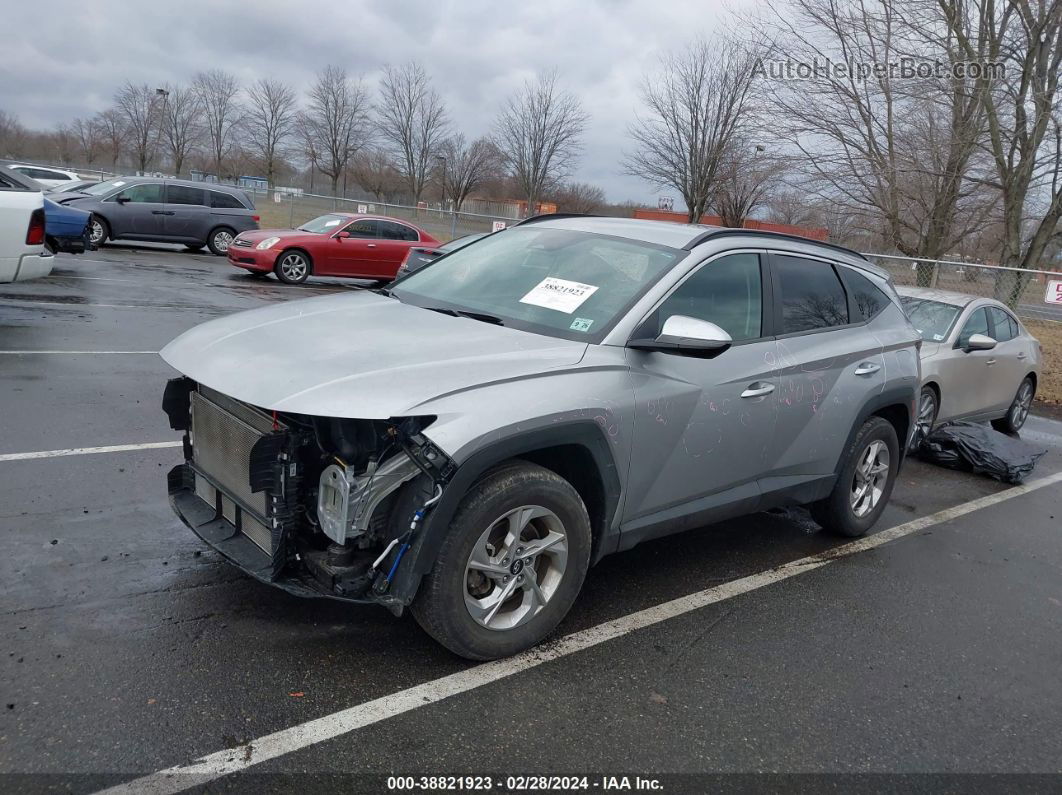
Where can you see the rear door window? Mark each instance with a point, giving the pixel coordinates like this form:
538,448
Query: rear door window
389,230
182,194
809,293
866,298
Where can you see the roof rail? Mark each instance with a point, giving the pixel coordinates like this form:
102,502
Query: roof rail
730,231
534,219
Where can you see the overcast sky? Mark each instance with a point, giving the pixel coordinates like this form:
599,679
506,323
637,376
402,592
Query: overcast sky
70,56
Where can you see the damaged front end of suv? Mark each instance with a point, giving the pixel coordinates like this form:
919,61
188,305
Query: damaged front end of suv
319,506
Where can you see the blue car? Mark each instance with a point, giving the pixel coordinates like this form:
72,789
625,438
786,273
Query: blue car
66,228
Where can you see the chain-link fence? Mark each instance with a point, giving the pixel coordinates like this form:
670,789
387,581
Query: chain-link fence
289,209
1024,291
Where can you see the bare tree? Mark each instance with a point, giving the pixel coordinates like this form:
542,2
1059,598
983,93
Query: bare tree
465,166
181,130
792,206
578,197
412,122
12,135
64,143
746,174
270,122
697,105
539,135
88,138
896,149
374,170
217,92
336,123
111,124
141,109
1024,113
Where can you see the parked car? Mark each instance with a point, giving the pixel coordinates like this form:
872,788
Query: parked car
22,229
335,244
45,176
418,257
468,442
978,361
165,211
75,186
66,229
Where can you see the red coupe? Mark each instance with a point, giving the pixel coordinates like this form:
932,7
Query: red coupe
337,244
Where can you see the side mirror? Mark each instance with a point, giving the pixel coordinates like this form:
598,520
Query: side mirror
122,199
980,342
689,335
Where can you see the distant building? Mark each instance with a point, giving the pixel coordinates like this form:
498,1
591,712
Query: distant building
202,176
254,183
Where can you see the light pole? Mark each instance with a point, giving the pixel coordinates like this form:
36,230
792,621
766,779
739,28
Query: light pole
165,94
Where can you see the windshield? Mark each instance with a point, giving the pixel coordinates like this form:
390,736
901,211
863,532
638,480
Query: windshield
558,282
460,242
324,224
932,318
103,188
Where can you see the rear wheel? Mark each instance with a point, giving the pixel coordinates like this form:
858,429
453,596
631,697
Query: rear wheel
292,267
220,240
510,567
1019,409
864,483
98,231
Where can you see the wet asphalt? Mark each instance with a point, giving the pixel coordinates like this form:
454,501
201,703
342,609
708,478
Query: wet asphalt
128,646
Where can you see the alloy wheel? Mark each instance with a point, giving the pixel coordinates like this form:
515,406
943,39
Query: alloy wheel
222,240
515,567
95,232
871,475
1019,412
293,266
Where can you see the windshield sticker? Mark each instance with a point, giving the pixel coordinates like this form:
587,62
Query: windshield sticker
559,294
938,337
335,222
581,324
117,184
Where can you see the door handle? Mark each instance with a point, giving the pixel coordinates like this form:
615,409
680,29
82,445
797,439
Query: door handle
1021,355
158,212
370,245
990,362
758,389
867,368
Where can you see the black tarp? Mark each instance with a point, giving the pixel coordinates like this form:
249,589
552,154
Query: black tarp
980,449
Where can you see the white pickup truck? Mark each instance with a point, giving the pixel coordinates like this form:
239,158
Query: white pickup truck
22,251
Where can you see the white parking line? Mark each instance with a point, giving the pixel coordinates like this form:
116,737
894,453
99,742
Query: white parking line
30,353
114,448
285,741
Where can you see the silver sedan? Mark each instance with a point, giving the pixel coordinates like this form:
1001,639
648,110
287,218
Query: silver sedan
978,361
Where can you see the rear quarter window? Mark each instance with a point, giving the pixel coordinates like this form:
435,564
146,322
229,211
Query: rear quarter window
225,201
865,298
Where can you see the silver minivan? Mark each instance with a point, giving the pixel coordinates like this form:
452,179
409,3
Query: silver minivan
196,214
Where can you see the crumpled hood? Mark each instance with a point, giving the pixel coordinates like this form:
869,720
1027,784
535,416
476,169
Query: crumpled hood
930,349
358,354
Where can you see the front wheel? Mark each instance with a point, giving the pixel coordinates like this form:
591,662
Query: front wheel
927,417
98,231
1019,409
510,567
220,240
864,483
292,267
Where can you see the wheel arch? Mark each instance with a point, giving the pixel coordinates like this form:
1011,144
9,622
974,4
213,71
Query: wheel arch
577,451
897,406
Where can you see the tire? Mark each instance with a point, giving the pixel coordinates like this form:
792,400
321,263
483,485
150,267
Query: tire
545,506
838,513
219,240
99,231
293,266
928,408
1019,409
193,248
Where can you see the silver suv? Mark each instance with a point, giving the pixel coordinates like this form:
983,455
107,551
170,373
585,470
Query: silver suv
469,441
